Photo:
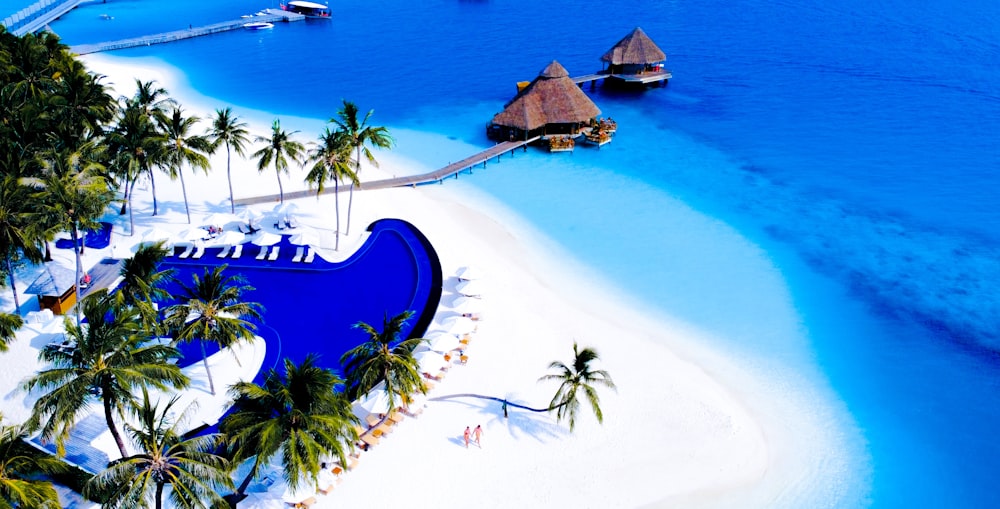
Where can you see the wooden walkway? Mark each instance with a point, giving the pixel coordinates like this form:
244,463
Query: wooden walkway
103,275
37,15
272,16
434,177
645,78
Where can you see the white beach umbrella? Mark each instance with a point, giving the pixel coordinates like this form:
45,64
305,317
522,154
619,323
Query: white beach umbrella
286,208
194,233
376,401
470,288
458,325
443,342
305,490
156,235
248,214
305,238
430,361
229,238
469,273
218,218
463,304
266,239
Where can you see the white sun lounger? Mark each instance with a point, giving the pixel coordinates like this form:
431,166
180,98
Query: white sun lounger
263,252
224,253
274,253
187,252
310,255
198,252
238,251
298,254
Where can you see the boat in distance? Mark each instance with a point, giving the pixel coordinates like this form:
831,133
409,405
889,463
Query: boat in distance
258,26
308,9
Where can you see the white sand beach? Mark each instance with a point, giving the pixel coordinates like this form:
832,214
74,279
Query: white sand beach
688,426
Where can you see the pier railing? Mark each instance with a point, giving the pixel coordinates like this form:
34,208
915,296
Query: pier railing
37,15
436,176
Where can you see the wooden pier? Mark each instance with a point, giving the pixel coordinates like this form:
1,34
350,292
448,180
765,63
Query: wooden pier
644,78
434,177
272,16
37,15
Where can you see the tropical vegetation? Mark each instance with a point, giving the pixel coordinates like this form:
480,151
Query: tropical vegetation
360,136
278,149
331,159
212,310
301,415
22,472
384,357
189,467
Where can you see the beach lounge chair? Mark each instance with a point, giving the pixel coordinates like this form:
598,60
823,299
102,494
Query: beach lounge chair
187,252
396,416
464,359
309,502
263,252
298,254
372,419
198,252
368,439
310,255
224,252
274,253
237,251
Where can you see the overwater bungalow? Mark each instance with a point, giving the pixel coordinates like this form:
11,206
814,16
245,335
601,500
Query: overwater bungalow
552,104
636,59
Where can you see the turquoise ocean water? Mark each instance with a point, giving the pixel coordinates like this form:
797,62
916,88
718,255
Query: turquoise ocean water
855,143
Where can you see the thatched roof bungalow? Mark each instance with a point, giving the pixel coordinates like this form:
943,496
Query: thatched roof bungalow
634,54
551,104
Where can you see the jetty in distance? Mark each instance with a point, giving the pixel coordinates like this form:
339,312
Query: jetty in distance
266,16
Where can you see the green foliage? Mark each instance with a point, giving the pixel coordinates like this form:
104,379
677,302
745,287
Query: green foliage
228,130
383,357
111,359
300,413
576,378
21,471
212,309
190,467
278,150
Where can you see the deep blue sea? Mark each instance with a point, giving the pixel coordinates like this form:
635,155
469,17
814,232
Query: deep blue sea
855,143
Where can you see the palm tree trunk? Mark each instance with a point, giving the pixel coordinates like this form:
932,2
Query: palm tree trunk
48,252
229,175
152,181
109,418
204,360
131,217
336,204
180,171
13,289
159,495
125,200
241,490
504,401
281,190
350,202
79,269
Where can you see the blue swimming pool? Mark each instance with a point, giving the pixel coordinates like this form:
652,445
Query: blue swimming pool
311,308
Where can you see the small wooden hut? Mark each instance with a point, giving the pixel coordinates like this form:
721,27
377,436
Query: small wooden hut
636,58
551,104
55,288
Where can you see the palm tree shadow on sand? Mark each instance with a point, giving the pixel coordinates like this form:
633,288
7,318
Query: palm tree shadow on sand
519,423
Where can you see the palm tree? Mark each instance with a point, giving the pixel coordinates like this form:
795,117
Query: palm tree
135,146
110,360
361,135
213,310
18,237
574,378
332,162
80,102
8,326
72,190
152,102
227,129
142,284
183,147
190,467
22,470
279,148
383,357
301,414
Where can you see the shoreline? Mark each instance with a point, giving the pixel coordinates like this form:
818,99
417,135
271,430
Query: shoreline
712,439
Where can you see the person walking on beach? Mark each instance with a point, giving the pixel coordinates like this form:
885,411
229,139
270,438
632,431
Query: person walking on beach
478,433
466,435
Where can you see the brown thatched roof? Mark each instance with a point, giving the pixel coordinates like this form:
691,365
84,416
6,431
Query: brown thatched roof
552,98
635,48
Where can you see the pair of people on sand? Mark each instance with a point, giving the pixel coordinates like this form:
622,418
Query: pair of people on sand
477,434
